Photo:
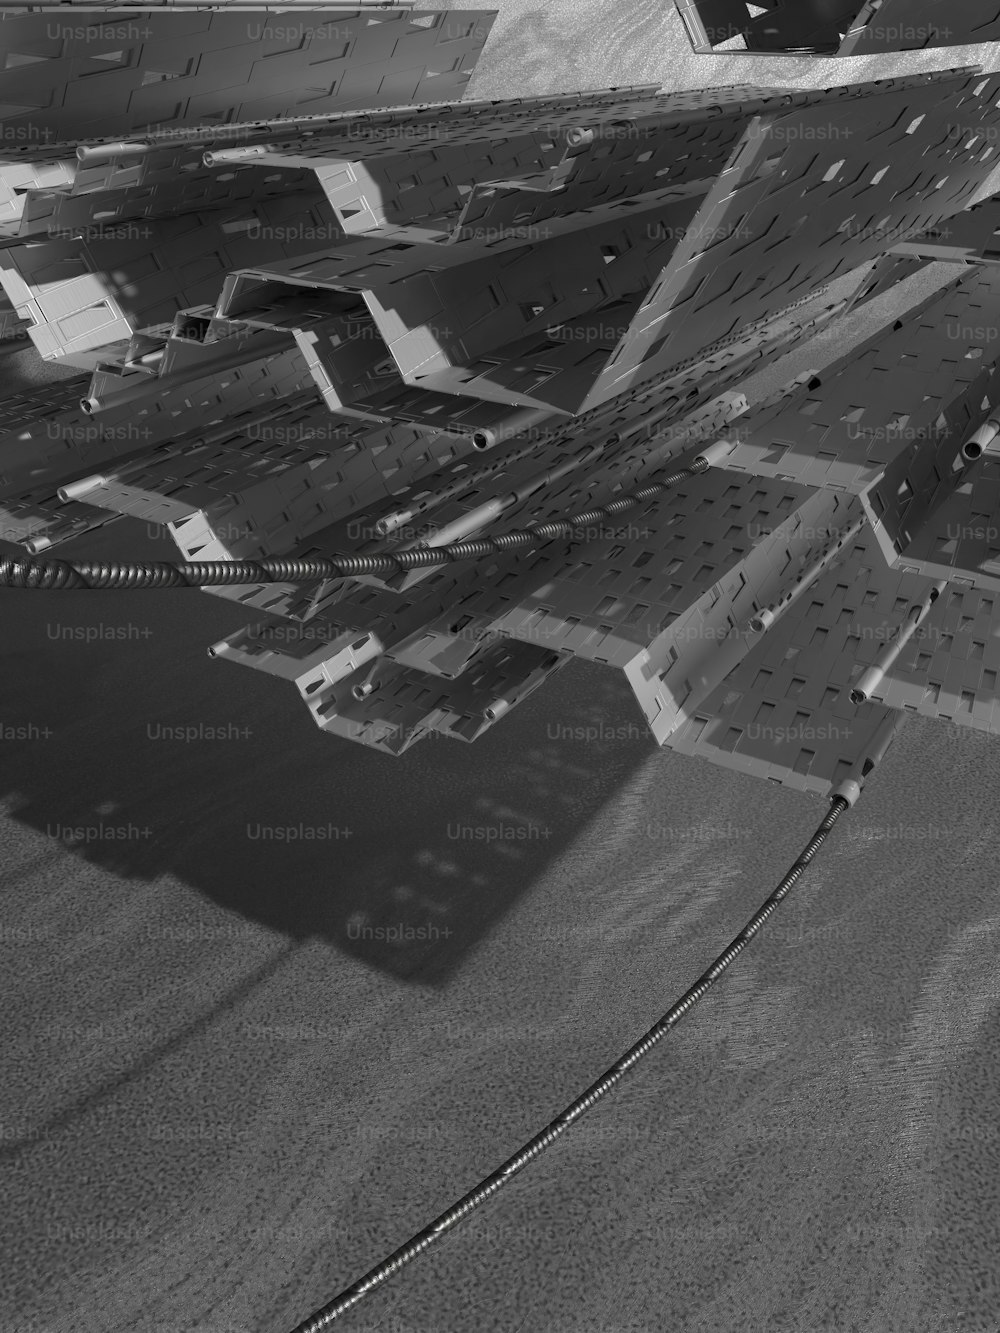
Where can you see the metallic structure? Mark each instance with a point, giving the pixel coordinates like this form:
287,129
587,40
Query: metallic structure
79,74
835,27
476,368
449,393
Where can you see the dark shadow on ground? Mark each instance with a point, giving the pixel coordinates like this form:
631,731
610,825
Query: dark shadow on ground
146,756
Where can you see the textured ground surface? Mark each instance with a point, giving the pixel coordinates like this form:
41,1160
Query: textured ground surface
238,1070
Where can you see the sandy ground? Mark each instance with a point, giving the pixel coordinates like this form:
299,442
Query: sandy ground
276,1000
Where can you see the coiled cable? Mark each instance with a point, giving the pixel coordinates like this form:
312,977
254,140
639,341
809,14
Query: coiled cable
29,572
537,1145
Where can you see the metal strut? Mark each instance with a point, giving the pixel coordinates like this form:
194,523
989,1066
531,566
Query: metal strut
535,1146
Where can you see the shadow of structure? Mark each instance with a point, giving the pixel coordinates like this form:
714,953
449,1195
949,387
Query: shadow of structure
123,741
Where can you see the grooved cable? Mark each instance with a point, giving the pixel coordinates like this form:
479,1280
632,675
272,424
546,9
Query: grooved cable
535,1146
28,572
54,574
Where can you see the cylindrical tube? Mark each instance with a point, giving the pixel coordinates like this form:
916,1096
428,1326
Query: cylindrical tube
79,490
391,522
715,452
764,619
523,418
218,157
147,359
849,789
984,440
477,518
89,154
462,527
873,677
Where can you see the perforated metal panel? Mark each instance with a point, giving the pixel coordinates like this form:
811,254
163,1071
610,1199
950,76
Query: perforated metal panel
835,27
66,75
525,313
